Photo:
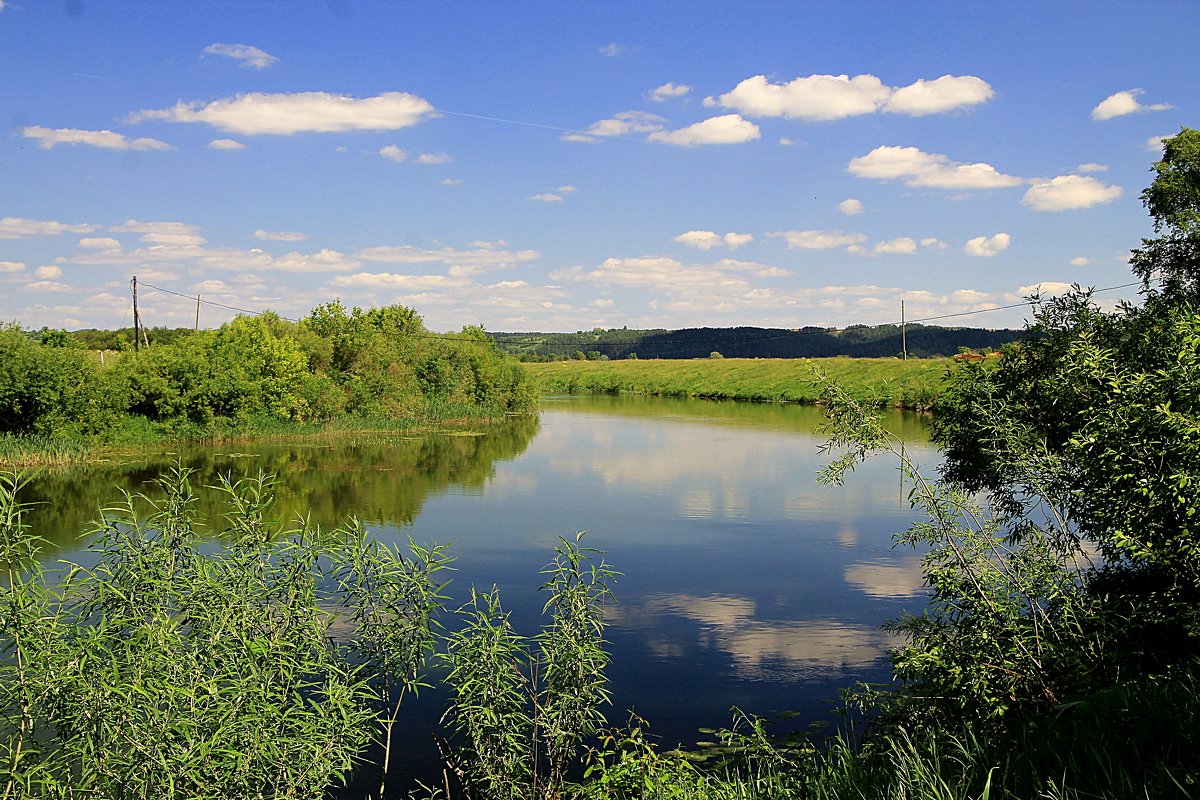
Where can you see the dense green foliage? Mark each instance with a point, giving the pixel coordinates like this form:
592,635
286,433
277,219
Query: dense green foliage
1112,400
913,384
1085,441
122,338
857,341
380,363
174,669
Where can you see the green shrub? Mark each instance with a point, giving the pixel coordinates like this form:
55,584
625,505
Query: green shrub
48,389
180,670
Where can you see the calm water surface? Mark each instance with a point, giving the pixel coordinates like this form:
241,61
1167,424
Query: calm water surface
745,583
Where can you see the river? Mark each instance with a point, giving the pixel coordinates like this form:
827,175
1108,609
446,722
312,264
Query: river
745,583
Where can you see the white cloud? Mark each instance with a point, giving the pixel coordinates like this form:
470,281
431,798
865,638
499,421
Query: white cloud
668,91
167,233
248,55
724,277
393,153
284,114
450,181
547,197
567,189
818,240
933,170
1122,103
786,142
752,268
850,207
833,97
1091,167
324,260
434,158
18,228
904,245
46,286
211,287
11,266
182,250
816,97
1044,288
1080,261
701,240
624,123
725,129
1155,144
985,246
100,243
707,240
938,96
47,138
48,271
933,243
280,236
612,50
1067,192
394,280
226,144
486,256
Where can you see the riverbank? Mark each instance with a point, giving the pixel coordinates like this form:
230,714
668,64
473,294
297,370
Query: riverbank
914,384
138,436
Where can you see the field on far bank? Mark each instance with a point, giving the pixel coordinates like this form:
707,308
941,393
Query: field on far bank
913,384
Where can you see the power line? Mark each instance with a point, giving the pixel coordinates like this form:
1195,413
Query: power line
213,302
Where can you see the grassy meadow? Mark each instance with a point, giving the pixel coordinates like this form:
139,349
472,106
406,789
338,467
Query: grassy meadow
913,384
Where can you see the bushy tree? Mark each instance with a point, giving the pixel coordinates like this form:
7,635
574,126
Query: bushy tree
50,389
1082,572
1113,399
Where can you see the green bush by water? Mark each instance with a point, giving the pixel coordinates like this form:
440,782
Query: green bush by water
249,375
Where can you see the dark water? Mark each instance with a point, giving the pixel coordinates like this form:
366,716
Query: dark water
745,583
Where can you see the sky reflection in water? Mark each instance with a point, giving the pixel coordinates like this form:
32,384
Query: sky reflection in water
745,583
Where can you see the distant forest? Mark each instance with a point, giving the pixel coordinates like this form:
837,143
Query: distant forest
857,341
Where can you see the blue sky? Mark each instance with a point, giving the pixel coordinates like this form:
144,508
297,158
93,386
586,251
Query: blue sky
565,166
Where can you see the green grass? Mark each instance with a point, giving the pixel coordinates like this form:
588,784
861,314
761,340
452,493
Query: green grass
136,434
913,384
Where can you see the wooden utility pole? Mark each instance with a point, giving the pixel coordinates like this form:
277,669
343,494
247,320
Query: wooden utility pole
137,323
197,313
903,333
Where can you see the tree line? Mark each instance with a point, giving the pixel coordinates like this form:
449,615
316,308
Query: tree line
856,341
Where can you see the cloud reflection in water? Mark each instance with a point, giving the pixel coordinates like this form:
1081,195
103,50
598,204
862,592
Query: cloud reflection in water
768,650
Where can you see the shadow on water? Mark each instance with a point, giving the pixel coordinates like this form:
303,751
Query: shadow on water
381,480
